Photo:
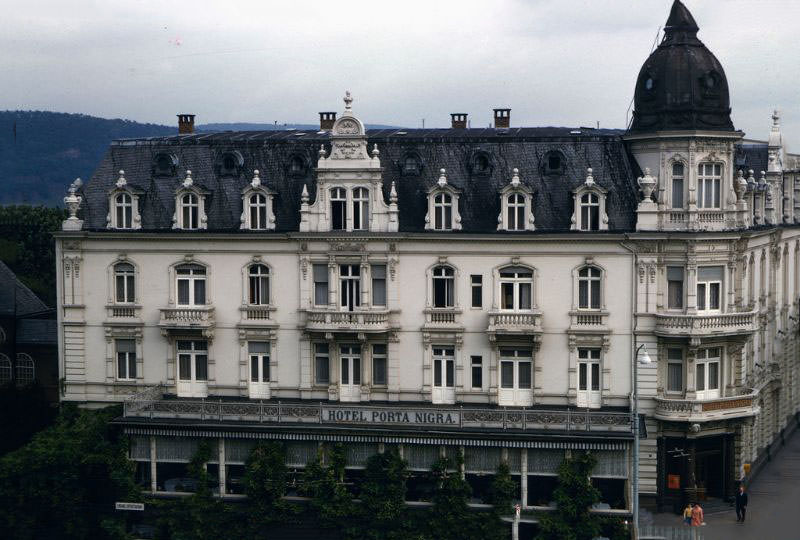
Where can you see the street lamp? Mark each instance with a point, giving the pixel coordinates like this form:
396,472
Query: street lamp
637,359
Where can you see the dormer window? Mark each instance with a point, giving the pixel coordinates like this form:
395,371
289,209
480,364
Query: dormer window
443,206
590,212
481,164
590,206
338,209
515,212
411,165
297,166
123,206
360,209
257,212
516,206
124,211
189,206
164,164
230,164
554,163
190,211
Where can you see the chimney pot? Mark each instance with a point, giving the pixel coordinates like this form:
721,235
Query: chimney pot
458,120
185,124
326,120
502,118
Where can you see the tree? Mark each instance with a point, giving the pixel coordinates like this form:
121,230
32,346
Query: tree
265,485
451,517
325,486
383,492
502,493
574,496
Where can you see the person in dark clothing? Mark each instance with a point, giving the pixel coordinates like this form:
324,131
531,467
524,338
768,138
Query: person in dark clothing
741,504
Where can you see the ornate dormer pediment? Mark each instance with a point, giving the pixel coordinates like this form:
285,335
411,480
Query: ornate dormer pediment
123,205
257,210
516,206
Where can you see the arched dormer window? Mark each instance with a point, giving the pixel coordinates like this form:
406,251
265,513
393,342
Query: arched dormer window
257,214
5,369
124,283
258,285
443,206
230,164
360,209
516,206
554,162
190,211
480,164
26,371
338,209
297,166
411,164
164,164
590,206
123,206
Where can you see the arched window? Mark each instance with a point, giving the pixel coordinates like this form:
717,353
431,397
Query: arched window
190,211
360,208
164,165
590,212
124,283
515,212
25,370
5,369
480,164
338,209
123,211
709,180
589,287
259,285
443,287
412,165
442,212
677,185
297,166
516,288
191,284
258,211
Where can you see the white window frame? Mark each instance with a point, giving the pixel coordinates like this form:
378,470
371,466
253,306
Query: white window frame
589,279
351,356
703,362
189,211
115,206
704,288
193,386
588,202
191,278
682,178
123,210
339,195
440,198
319,355
260,360
516,284
350,286
443,363
515,394
588,358
709,180
128,279
128,357
589,187
381,356
442,211
257,275
360,209
449,285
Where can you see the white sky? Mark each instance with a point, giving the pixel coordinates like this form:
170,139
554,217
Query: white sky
554,62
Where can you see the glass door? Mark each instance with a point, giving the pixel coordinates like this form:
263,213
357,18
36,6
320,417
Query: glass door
516,387
444,374
350,282
588,378
707,373
192,368
350,374
258,353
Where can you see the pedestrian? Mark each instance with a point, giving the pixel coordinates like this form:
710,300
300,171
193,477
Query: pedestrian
697,515
687,514
741,504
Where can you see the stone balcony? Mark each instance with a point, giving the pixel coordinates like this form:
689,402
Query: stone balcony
257,316
510,323
123,314
442,319
588,322
701,325
683,220
188,318
696,411
362,321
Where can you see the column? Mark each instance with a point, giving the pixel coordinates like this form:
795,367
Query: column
153,468
365,283
332,282
523,470
222,486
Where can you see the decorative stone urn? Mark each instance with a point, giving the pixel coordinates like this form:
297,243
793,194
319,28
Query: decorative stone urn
73,203
647,184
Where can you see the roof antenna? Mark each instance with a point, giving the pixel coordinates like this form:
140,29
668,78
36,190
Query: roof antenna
652,48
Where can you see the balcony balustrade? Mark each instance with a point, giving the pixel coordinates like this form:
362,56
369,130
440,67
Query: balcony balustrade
699,325
514,323
696,411
588,321
442,318
123,313
327,320
187,318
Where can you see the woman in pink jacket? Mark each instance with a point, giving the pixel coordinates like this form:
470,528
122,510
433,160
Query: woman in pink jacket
697,515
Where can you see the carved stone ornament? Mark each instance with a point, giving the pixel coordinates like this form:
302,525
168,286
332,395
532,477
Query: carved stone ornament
647,184
347,246
347,127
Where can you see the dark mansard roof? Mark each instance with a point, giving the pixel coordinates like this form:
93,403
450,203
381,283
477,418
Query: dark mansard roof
682,85
456,150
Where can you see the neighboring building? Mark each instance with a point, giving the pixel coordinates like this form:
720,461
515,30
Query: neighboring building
472,291
28,337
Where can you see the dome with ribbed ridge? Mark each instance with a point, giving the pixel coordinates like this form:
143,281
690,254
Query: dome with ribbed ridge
682,85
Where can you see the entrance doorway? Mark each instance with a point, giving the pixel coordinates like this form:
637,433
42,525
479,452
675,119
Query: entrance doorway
350,375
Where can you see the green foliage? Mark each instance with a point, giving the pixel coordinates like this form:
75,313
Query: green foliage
63,483
265,485
503,491
383,509
574,496
27,246
330,499
450,517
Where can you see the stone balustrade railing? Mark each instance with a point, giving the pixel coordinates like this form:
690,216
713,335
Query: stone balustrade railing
700,324
690,410
200,316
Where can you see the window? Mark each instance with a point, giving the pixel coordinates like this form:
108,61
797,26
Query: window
675,287
443,212
515,212
338,209
477,371
297,166
412,165
350,286
677,185
320,284
191,280
443,374
378,272
709,178
589,280
259,361
707,374
258,285
443,287
5,369
709,288
126,359
590,212
190,211
515,362
25,370
360,209
588,377
322,366
351,365
124,283
164,165
258,211
554,162
480,164
476,282
674,370
379,365
516,288
123,211
192,360
230,164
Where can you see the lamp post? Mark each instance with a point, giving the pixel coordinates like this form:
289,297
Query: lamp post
645,359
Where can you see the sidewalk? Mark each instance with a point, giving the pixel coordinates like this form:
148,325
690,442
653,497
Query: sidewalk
774,509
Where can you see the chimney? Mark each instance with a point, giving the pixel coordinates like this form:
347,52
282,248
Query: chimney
502,118
458,120
326,120
185,124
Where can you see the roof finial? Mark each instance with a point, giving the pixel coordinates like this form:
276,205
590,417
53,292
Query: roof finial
304,195
515,177
187,182
762,181
321,151
392,194
256,179
348,102
589,177
375,151
442,178
776,120
121,180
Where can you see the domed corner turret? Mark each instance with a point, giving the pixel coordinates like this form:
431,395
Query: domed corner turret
681,85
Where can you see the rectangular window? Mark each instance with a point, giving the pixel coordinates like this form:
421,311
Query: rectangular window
507,374
126,292
524,370
339,215
675,287
709,288
589,370
126,359
378,284
477,371
320,284
183,292
674,370
477,290
708,185
350,286
259,361
379,365
321,364
677,185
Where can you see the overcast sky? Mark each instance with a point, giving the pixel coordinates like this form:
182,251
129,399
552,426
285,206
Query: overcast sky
554,62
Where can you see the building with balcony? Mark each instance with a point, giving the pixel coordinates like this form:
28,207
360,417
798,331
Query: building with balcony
474,292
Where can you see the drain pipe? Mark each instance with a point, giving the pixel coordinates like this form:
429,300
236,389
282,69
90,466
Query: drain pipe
633,394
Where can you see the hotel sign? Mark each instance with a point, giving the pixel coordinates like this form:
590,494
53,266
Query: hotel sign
394,416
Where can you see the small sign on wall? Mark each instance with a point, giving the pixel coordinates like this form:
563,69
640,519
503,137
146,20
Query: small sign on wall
139,507
674,481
